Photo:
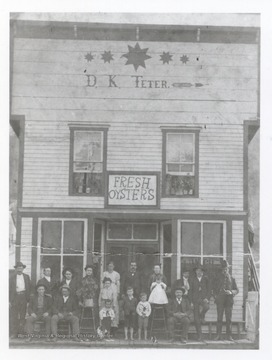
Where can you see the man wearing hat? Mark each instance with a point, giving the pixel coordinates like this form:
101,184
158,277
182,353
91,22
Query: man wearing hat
39,308
183,282
200,296
19,293
224,291
179,314
65,307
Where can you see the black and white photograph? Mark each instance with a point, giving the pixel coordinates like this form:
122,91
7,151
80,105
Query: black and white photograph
134,177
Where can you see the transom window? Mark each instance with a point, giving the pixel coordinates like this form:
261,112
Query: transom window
132,231
180,163
62,243
87,166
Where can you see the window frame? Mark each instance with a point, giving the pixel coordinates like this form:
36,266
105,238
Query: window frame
61,254
165,133
104,132
132,223
201,256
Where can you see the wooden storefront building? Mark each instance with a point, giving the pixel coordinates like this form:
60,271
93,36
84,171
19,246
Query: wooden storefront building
133,145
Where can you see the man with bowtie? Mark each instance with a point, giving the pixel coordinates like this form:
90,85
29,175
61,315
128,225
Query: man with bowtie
200,297
224,291
19,294
179,314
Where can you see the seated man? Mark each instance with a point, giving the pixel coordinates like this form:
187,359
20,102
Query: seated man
39,308
179,314
65,307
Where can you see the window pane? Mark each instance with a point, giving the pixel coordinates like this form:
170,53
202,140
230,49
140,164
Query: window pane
212,239
190,238
51,237
189,263
212,267
73,237
120,231
97,237
182,168
180,148
87,183
76,263
54,263
167,238
88,146
145,231
179,185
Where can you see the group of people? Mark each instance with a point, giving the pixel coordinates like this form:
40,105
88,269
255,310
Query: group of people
130,299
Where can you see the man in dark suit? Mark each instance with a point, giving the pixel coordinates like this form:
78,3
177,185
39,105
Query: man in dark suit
200,297
224,291
132,279
39,308
51,285
65,307
19,293
179,314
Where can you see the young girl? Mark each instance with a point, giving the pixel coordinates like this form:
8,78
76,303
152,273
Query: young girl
158,294
143,310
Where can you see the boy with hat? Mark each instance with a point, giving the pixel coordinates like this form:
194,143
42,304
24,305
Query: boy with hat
200,296
179,314
39,308
224,291
19,293
65,307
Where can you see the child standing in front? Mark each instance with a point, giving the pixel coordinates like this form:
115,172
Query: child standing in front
106,315
129,307
143,310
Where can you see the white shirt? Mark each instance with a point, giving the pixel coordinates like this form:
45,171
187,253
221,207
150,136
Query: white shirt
186,284
199,278
68,282
179,301
65,298
20,283
48,278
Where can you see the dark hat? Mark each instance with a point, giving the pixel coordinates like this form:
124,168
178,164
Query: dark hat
181,288
64,286
225,264
18,264
39,285
185,270
199,266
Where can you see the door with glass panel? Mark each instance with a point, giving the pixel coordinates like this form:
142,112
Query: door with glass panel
128,242
62,243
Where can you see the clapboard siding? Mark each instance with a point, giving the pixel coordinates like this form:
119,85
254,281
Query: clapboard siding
26,243
237,265
133,148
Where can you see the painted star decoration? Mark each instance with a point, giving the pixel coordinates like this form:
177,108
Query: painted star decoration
89,57
136,56
184,59
166,57
107,57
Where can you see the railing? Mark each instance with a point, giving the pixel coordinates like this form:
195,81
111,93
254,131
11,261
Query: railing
254,283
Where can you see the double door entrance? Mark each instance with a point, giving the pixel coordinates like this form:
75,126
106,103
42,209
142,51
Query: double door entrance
145,255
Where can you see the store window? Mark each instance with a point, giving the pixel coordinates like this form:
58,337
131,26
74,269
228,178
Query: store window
62,244
202,242
88,157
180,163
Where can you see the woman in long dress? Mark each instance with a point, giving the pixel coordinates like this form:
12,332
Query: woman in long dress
115,278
